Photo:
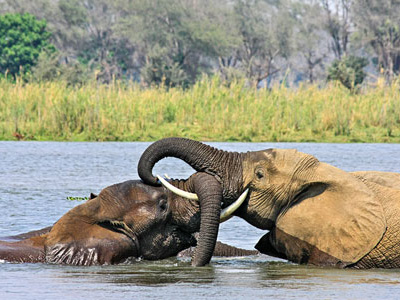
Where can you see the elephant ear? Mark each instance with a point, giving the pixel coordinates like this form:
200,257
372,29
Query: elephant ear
336,225
74,242
79,238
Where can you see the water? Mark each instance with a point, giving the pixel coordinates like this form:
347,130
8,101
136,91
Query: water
37,177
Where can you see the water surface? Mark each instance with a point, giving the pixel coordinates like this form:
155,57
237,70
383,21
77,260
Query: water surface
37,177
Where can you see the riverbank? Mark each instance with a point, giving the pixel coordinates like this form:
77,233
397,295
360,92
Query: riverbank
209,111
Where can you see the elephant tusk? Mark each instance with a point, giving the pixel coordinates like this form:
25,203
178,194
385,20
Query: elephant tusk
227,212
177,191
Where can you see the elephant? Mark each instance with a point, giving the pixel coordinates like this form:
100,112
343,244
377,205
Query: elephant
126,220
314,213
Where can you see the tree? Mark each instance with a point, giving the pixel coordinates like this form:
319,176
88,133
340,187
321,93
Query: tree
159,32
22,39
337,24
348,71
86,33
309,38
105,50
265,33
176,40
378,23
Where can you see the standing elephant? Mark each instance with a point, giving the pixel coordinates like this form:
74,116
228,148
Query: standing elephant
315,213
125,220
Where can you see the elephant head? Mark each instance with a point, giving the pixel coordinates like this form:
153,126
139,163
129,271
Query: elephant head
235,172
125,220
128,219
131,217
288,191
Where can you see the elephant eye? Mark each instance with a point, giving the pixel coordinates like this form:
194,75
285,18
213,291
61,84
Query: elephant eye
163,204
259,173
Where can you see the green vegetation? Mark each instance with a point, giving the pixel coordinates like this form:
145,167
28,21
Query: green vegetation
77,198
100,70
174,42
348,71
22,39
209,110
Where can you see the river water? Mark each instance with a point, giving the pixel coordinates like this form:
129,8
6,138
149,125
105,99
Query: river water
37,177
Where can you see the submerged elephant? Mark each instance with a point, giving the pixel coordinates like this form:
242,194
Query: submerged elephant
125,220
315,213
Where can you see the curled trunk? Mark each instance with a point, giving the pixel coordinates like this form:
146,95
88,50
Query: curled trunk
225,166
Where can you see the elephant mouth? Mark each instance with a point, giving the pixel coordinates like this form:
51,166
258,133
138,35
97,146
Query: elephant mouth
122,228
165,245
192,239
186,236
186,240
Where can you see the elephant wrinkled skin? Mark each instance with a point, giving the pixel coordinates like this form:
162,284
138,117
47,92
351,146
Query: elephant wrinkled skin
126,220
315,213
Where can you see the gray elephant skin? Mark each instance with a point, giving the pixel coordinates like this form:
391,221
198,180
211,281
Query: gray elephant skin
315,213
126,220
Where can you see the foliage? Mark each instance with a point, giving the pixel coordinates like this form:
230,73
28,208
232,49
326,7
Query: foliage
22,39
265,32
209,110
50,68
176,39
379,28
309,40
337,24
348,71
174,42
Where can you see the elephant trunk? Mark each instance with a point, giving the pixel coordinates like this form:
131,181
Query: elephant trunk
222,249
226,166
210,196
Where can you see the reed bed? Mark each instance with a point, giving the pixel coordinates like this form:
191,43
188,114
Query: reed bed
208,111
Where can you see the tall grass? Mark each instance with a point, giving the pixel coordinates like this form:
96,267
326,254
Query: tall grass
207,111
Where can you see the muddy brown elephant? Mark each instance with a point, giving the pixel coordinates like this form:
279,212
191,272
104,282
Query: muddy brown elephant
315,213
126,220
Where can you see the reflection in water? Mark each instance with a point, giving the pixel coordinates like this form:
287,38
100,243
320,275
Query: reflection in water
148,273
325,280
